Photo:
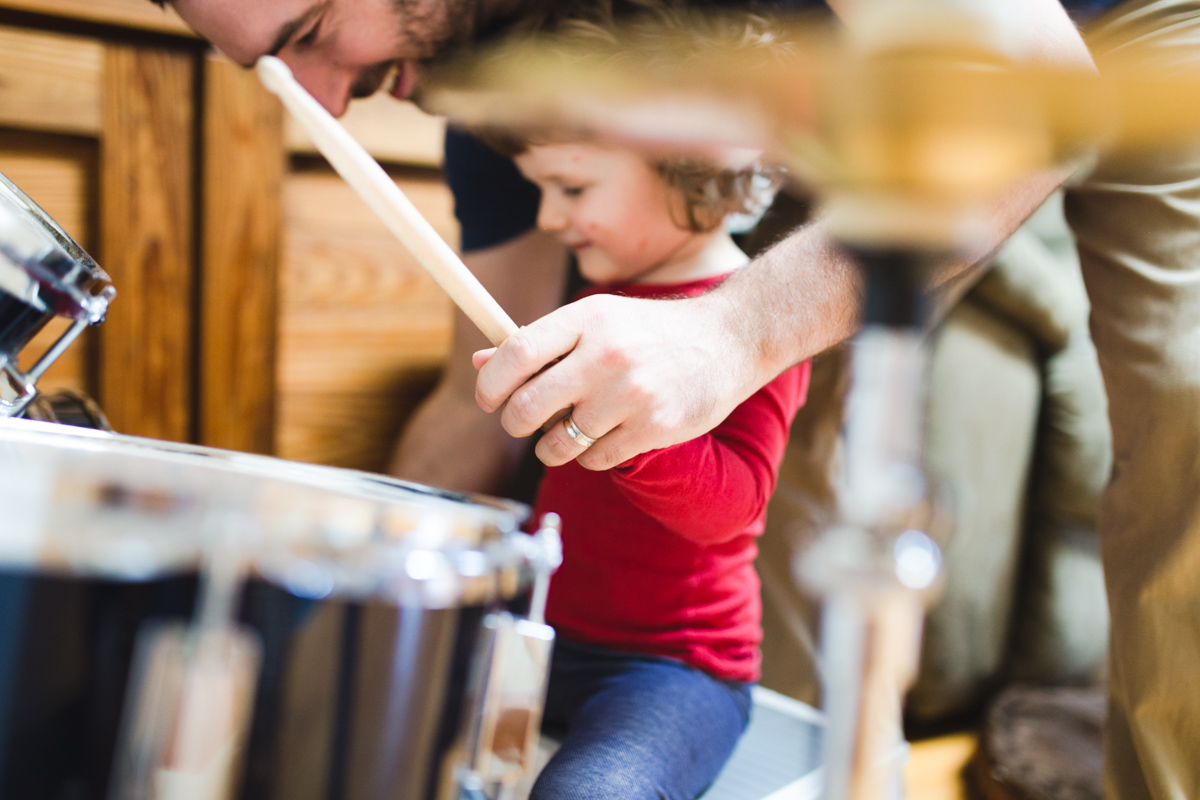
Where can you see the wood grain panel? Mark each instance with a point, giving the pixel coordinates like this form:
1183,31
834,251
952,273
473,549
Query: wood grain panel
356,429
363,330
392,130
50,82
58,172
139,14
243,172
146,219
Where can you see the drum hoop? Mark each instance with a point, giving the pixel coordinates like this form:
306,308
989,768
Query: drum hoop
268,467
467,550
69,246
88,285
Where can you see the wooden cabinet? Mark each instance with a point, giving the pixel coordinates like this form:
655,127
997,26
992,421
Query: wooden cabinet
261,307
101,133
363,331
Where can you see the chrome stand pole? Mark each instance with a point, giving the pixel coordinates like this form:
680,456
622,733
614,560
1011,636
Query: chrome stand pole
875,570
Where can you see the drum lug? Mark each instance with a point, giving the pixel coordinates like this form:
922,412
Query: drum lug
188,712
512,675
506,715
547,558
25,391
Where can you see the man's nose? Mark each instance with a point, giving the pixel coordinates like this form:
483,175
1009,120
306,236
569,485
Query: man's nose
330,85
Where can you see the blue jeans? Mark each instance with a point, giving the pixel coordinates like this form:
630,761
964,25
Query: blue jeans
637,727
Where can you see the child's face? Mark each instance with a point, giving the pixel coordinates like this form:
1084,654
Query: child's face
609,206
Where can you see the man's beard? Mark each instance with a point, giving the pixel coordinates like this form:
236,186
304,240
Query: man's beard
370,79
429,28
432,28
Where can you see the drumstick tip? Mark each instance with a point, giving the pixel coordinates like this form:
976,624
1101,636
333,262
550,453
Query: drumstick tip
273,73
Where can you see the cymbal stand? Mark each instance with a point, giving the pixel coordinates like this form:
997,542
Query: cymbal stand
874,570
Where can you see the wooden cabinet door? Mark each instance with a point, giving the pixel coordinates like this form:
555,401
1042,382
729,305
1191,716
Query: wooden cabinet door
101,135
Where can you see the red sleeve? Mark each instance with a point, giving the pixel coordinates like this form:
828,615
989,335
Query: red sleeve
716,487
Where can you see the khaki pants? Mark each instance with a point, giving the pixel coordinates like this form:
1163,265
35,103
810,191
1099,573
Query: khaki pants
1137,225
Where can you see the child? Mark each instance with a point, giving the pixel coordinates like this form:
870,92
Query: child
656,604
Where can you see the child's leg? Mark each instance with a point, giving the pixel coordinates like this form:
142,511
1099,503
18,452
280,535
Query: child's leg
648,729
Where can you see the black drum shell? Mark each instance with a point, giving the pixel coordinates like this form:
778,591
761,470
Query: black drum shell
355,700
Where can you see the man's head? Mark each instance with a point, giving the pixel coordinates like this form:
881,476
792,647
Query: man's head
337,49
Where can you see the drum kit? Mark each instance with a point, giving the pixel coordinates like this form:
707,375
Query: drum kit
907,123
184,622
176,616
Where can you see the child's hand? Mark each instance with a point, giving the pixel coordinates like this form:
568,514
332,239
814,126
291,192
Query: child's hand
481,357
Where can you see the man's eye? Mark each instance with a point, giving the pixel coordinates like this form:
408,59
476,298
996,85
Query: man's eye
572,191
310,38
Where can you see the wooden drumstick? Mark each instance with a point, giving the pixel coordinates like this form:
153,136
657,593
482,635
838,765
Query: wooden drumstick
380,193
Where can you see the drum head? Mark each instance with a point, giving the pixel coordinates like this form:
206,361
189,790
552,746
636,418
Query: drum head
87,502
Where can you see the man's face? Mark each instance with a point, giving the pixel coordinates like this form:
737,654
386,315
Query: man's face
337,49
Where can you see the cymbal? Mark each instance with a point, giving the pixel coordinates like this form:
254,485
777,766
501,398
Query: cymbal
947,124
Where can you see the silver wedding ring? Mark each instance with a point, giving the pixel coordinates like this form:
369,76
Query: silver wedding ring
577,436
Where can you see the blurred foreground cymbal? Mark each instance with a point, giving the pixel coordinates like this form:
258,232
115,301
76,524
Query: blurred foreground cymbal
939,127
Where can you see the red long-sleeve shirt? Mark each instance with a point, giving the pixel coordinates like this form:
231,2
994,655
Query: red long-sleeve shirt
658,553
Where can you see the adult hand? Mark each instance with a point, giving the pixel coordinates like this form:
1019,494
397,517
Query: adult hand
643,374
448,442
640,375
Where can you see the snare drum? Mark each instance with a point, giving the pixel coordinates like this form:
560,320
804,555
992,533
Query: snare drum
370,600
43,274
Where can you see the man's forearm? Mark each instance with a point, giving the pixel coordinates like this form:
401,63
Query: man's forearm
643,374
797,299
802,296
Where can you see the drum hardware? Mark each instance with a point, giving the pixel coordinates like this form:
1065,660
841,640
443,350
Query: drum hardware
878,568
362,601
192,689
510,687
908,129
191,702
68,407
44,274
